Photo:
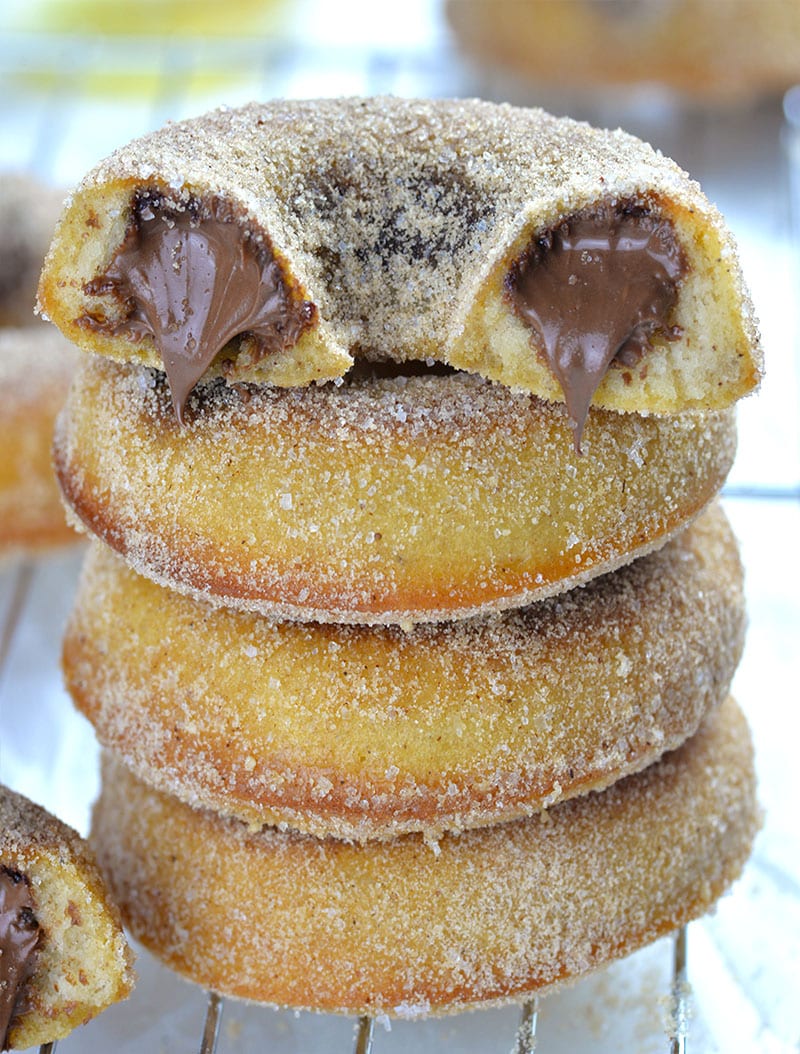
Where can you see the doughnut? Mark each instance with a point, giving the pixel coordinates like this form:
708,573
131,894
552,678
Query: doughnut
394,499
28,214
364,732
399,929
36,366
707,51
63,955
280,242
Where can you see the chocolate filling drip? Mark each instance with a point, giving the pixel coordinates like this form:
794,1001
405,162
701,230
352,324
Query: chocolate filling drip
193,279
595,289
19,940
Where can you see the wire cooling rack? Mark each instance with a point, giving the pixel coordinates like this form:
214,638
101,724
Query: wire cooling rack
524,1040
525,1037
70,101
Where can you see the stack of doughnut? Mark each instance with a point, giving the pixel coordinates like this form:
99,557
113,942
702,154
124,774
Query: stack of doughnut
410,618
36,367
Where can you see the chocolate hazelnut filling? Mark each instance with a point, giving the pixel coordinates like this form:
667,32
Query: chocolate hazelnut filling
19,939
193,278
596,289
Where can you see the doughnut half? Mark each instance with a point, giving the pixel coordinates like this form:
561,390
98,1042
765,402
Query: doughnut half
36,366
397,928
364,732
392,226
82,963
394,500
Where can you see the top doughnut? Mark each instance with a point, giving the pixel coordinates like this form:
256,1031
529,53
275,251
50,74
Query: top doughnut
279,242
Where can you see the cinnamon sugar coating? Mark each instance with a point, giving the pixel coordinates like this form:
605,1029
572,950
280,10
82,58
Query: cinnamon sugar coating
361,732
379,500
399,220
394,927
83,961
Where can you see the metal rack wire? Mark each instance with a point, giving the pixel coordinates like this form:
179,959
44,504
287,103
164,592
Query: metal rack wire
524,1039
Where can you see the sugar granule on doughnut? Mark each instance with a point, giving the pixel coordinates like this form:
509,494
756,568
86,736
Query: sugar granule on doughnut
63,955
281,241
36,367
365,732
394,499
704,50
394,927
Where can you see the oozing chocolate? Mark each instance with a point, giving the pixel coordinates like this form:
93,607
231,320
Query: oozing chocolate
19,939
594,289
193,279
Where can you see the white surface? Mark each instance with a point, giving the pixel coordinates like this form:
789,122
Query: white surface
743,962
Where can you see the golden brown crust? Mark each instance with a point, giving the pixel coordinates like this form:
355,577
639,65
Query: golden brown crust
396,928
399,500
36,366
84,963
703,49
370,732
398,219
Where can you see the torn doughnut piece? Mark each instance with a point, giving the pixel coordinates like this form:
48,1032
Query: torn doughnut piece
388,229
63,955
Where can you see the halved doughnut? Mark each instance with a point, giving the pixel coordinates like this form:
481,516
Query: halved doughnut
378,500
63,955
364,732
340,229
397,928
